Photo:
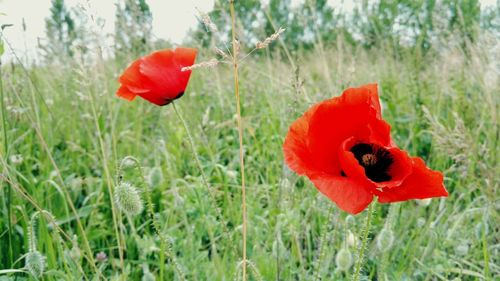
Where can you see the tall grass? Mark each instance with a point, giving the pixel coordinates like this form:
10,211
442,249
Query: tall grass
442,107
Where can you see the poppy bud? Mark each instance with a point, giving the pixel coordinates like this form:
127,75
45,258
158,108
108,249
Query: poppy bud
462,249
351,239
385,240
343,260
127,199
35,263
155,177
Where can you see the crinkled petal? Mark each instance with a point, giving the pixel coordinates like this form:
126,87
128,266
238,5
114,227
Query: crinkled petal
422,183
163,69
295,148
349,195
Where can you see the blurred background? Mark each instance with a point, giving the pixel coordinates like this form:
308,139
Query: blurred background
64,134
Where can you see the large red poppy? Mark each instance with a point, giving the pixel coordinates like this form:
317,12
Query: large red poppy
344,147
157,77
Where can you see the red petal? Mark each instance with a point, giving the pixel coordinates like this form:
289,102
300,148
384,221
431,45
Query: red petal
354,114
295,148
163,69
349,195
133,79
125,93
422,183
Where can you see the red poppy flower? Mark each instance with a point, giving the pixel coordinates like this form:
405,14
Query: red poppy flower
157,77
344,147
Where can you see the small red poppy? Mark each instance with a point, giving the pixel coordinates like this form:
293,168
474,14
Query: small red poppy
157,77
344,147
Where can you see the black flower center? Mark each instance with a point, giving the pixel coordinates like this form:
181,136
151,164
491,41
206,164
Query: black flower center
375,159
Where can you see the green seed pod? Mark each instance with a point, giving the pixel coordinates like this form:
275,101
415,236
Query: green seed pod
127,199
155,177
351,239
343,260
462,249
35,263
385,240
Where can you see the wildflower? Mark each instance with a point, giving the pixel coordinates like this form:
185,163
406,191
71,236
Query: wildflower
157,77
344,147
16,159
101,257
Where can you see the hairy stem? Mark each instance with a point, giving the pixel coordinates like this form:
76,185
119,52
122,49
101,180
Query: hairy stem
203,176
361,251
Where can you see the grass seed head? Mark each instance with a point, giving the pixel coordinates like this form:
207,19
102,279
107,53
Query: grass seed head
206,64
270,39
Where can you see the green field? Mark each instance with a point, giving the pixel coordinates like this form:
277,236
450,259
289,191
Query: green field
65,134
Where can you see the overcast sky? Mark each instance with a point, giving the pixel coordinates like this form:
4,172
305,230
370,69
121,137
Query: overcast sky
171,18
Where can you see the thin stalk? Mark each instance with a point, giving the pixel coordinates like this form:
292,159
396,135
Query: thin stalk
323,242
9,189
240,135
361,252
203,176
114,213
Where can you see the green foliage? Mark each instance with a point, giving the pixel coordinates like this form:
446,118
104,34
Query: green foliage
132,27
60,31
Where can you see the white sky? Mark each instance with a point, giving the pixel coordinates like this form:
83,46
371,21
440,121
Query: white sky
171,18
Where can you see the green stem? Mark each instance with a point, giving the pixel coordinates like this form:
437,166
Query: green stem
361,252
240,137
203,176
9,189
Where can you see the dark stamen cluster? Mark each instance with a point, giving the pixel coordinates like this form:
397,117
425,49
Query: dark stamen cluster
375,159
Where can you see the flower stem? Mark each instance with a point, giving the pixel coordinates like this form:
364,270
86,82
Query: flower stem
240,135
361,251
203,176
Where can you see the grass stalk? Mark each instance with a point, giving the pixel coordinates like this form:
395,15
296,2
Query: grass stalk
9,189
240,137
114,212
